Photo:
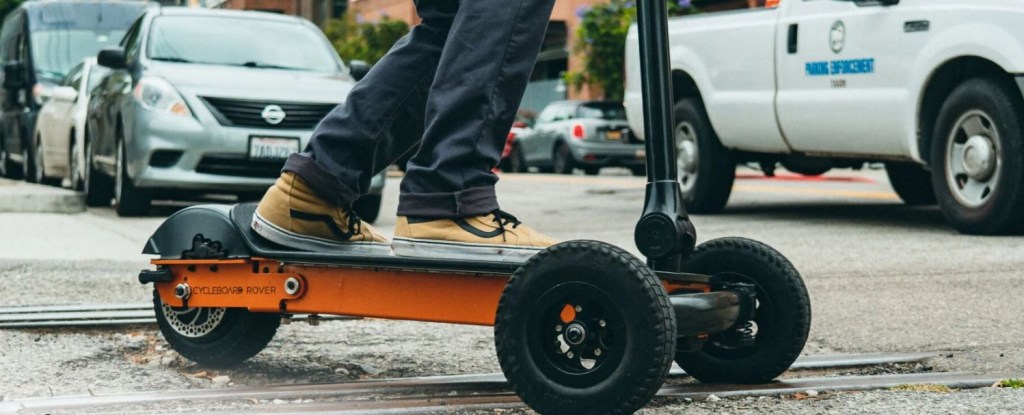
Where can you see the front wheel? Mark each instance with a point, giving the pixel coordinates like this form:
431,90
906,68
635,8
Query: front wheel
761,349
978,157
128,199
584,327
215,337
706,168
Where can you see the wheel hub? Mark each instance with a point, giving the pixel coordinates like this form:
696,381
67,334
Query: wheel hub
979,159
575,334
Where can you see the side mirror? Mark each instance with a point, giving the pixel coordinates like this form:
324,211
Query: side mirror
358,69
112,57
64,93
14,75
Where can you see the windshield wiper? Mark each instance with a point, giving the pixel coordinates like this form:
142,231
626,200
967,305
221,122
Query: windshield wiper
170,59
254,64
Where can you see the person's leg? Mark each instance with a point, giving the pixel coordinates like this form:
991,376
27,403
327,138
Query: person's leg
309,207
447,204
491,51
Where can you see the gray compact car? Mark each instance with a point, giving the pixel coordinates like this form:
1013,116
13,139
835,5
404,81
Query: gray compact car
569,135
209,101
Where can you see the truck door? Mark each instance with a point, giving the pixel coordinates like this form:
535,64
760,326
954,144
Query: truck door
840,78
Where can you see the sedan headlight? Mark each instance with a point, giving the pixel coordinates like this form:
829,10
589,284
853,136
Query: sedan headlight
158,95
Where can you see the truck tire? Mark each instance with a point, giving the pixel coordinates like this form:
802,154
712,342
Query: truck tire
706,168
912,183
978,157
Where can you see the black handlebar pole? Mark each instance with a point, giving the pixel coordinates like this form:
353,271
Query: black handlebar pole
664,233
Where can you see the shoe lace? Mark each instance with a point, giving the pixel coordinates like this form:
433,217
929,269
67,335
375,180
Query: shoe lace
355,224
503,219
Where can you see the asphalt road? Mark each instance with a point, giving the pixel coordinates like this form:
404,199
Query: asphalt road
883,277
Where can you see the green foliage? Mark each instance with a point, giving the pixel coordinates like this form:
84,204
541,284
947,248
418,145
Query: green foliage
364,41
601,42
1011,383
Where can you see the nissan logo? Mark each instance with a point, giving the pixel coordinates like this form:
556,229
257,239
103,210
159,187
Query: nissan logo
273,114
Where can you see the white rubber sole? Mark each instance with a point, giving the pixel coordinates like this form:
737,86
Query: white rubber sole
280,236
427,248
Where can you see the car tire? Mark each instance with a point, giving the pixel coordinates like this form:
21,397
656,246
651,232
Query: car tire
562,160
40,166
97,187
977,157
75,177
706,168
912,183
367,207
517,161
128,200
591,170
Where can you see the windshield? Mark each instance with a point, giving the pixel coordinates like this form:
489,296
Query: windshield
602,111
237,41
55,52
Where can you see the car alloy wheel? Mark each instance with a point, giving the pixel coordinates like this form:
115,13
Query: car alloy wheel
972,159
686,155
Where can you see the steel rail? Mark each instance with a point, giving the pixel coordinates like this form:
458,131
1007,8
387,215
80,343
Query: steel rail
436,387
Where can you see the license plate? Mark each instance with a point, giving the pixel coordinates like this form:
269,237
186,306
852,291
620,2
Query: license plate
272,148
613,134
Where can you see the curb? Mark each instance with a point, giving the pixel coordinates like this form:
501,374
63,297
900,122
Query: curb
21,197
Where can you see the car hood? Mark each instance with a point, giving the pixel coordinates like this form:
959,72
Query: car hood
254,83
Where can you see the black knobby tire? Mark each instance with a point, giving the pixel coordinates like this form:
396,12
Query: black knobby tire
367,207
128,199
912,183
563,161
715,166
783,315
239,335
97,187
999,211
624,310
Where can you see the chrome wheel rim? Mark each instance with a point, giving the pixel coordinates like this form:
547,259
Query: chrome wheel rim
686,154
193,322
972,159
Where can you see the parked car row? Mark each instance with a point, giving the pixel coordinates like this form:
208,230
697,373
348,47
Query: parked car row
188,102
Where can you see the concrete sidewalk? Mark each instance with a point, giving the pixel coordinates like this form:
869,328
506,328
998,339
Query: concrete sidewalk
17,196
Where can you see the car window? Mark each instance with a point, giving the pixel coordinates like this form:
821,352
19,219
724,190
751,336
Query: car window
10,35
74,78
240,41
547,114
130,42
601,111
563,112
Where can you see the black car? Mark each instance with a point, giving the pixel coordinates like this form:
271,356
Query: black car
39,43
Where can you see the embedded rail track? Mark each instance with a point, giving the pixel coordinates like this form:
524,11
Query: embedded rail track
90,315
484,392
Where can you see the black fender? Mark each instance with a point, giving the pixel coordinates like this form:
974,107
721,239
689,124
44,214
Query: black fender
198,232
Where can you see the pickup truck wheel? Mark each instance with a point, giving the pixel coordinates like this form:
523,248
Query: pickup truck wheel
978,158
912,183
706,168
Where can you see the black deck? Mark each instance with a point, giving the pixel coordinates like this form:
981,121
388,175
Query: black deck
241,216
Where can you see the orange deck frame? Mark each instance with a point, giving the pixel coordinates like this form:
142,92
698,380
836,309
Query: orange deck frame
258,285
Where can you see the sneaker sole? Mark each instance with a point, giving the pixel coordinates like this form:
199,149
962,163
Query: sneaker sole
428,248
284,237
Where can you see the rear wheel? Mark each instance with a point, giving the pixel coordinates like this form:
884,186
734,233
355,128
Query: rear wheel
912,183
128,200
563,162
706,168
584,327
516,161
761,349
978,157
215,337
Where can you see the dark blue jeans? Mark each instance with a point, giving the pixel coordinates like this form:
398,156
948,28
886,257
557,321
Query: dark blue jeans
453,85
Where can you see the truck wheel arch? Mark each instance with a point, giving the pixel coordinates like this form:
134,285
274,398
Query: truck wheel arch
941,83
683,86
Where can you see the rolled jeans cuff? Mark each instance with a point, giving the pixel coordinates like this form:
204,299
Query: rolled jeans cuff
326,185
463,204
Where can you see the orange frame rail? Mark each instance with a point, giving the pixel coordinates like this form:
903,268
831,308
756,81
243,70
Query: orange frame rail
259,285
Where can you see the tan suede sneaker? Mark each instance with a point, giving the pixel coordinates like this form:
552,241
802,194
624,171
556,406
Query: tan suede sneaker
290,214
497,236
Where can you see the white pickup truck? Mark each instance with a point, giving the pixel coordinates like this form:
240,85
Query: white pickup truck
933,88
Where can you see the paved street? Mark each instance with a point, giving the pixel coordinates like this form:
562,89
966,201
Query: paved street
882,277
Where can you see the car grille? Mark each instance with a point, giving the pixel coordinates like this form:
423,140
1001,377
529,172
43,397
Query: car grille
238,165
248,113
